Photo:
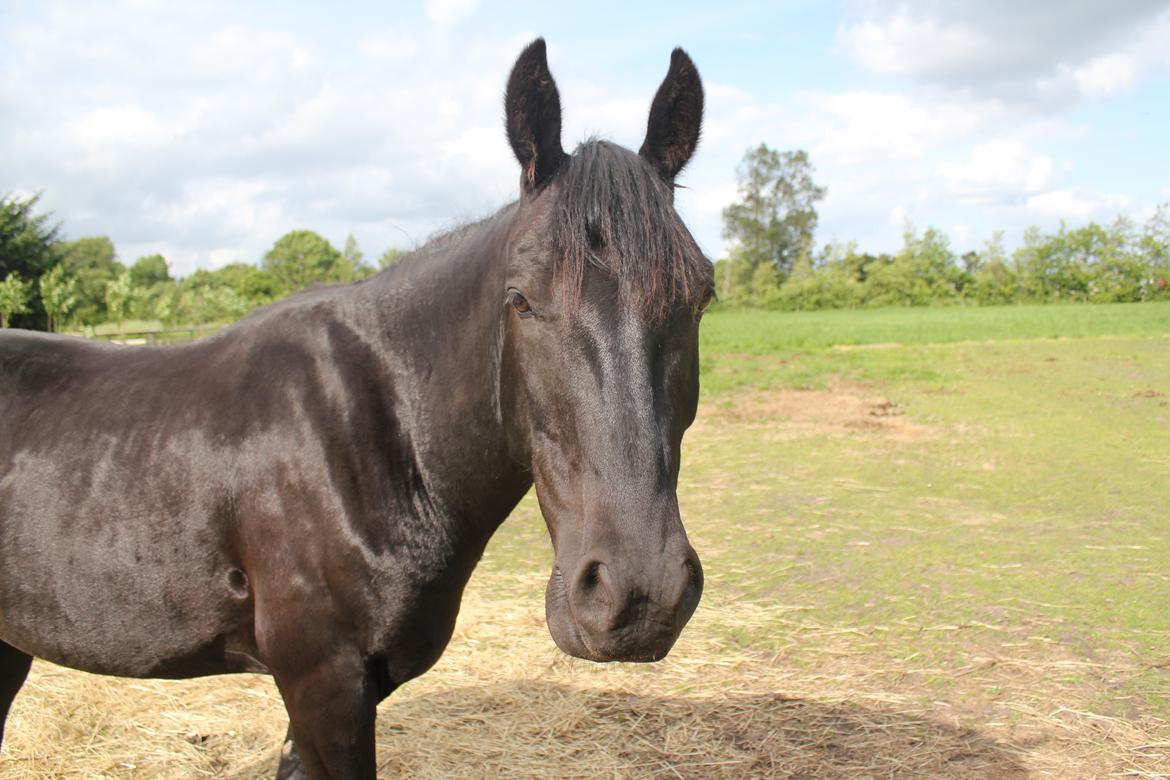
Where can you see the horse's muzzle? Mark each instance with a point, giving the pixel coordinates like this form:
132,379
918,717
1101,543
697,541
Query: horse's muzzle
619,608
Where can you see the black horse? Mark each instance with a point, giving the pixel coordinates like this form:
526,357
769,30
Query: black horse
307,492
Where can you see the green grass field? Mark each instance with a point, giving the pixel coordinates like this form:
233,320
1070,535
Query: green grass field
936,544
1039,477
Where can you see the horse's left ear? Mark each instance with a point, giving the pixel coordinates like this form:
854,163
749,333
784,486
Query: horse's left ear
676,116
532,108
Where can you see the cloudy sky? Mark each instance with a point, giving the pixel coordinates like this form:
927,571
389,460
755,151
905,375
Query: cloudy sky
205,130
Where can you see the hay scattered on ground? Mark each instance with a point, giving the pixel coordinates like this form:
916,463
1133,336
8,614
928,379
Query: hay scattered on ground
503,702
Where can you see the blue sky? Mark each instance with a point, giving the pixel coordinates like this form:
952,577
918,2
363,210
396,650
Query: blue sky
206,132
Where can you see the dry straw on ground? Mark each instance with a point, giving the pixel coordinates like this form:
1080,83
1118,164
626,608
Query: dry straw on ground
504,703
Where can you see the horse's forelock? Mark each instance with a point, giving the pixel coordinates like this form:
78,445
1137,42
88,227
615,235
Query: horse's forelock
614,212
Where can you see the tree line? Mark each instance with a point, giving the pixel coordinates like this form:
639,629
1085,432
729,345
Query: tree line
772,262
48,283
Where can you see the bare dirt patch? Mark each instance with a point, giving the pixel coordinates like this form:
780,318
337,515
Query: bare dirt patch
841,409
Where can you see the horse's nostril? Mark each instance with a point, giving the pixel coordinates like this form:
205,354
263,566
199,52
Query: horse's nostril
594,584
597,600
591,576
693,584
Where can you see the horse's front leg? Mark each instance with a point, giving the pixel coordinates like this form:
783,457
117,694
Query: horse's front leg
290,767
331,707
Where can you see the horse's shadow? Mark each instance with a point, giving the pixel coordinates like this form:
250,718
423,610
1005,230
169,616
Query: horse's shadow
535,729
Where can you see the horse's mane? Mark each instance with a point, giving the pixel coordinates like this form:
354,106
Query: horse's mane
615,213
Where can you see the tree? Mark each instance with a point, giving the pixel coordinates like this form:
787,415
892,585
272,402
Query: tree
776,218
14,297
733,278
353,261
93,263
993,281
830,286
210,296
119,294
390,257
303,258
28,246
255,286
163,305
1153,246
150,270
923,271
59,294
765,285
1154,242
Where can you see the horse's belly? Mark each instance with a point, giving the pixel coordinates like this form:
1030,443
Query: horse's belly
119,588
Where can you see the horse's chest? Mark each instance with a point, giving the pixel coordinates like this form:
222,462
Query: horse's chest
421,637
411,622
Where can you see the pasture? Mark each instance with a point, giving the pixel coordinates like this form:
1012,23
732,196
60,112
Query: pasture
936,546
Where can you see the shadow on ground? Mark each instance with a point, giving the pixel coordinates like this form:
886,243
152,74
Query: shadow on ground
557,730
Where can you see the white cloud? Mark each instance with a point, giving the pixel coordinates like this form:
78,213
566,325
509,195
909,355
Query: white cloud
743,123
858,127
1101,77
898,216
594,112
1077,205
997,171
1097,79
1030,53
906,45
716,92
126,126
960,234
233,204
238,133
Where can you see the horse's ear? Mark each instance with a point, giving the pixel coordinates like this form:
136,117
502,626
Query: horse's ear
532,109
676,116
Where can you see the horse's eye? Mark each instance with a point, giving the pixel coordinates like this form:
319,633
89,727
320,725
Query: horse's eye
519,303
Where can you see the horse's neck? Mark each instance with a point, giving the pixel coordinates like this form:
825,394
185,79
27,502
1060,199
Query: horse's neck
439,320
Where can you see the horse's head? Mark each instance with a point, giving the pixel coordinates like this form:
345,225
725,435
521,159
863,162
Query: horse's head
605,287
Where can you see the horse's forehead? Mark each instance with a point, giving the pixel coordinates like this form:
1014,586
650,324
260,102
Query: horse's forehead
605,228
532,245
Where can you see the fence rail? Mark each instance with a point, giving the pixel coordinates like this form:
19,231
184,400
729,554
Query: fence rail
168,336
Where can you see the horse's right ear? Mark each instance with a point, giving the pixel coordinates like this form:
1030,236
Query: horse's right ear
532,111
